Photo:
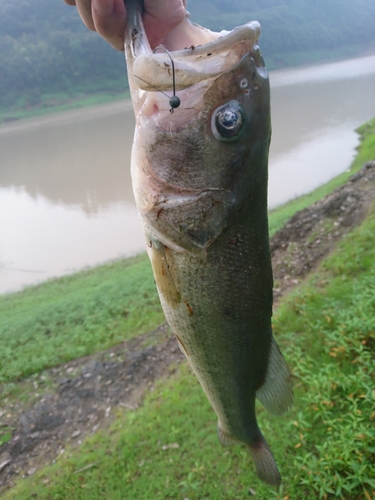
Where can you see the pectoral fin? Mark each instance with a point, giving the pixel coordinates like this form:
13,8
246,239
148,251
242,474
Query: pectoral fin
162,274
276,393
224,439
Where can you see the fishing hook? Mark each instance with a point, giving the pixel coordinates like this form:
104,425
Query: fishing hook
174,101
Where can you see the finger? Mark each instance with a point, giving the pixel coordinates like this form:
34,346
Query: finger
70,2
109,18
84,9
161,17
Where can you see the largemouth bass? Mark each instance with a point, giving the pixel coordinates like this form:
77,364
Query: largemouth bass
200,183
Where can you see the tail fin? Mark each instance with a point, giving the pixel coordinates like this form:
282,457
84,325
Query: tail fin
261,454
265,464
276,393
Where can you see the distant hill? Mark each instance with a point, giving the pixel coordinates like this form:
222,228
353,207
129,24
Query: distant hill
46,51
295,31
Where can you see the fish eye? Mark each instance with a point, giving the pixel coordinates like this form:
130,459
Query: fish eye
228,121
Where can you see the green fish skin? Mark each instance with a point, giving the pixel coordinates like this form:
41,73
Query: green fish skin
200,182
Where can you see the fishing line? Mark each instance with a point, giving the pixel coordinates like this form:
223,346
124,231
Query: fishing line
153,86
174,101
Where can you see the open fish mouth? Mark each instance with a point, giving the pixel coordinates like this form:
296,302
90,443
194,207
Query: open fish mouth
195,63
194,55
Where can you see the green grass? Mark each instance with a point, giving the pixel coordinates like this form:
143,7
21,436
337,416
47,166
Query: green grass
324,446
77,315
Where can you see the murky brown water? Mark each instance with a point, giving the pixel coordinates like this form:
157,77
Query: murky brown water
65,190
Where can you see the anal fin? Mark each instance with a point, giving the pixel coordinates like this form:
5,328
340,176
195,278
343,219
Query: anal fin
276,393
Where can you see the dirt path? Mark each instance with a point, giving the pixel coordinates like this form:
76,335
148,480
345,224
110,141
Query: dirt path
76,399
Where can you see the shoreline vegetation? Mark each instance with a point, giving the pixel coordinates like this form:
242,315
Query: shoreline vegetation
51,103
162,449
58,103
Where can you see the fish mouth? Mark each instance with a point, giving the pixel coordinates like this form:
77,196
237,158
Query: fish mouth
193,54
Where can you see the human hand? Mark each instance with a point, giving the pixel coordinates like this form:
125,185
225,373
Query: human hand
108,18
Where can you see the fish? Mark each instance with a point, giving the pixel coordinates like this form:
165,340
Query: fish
199,168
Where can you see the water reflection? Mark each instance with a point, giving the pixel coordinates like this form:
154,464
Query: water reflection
313,126
301,111
311,163
65,188
84,163
41,239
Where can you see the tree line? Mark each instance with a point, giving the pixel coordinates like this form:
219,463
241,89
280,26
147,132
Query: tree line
46,49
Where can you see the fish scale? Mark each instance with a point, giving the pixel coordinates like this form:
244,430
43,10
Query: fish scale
200,183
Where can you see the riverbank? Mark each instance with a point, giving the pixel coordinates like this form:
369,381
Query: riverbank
51,103
61,110
66,116
90,416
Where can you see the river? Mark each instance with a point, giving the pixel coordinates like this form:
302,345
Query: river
65,192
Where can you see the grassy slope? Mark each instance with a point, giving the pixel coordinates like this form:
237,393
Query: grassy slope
87,312
324,446
76,315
